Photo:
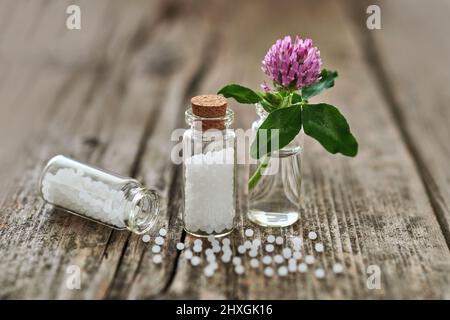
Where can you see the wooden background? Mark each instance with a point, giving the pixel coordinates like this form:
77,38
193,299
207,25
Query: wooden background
111,94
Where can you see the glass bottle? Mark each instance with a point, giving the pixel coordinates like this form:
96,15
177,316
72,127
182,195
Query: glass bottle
274,200
98,195
209,174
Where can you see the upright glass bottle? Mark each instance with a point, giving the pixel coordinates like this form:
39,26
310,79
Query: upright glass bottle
274,200
102,196
209,168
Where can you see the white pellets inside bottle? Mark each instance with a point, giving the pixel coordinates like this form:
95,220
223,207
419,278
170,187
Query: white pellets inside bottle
210,209
79,192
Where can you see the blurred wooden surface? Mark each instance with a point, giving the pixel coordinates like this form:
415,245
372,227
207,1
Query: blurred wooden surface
111,94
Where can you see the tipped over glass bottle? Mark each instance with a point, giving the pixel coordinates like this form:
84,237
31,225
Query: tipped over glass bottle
98,195
209,166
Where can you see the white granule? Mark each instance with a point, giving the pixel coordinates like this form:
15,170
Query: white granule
256,243
278,259
195,260
241,249
208,271
309,259
253,253
338,268
254,263
209,191
320,273
162,232
267,260
188,254
247,244
312,235
318,247
180,246
146,238
226,258
157,259
287,253
302,267
237,261
198,242
239,269
249,233
159,241
282,271
268,272
292,265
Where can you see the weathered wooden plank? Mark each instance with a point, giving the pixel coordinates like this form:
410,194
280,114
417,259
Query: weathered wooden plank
371,210
113,96
410,55
183,46
84,119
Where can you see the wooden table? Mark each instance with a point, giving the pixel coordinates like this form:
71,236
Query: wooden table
111,93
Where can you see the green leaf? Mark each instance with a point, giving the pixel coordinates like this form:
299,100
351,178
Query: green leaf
327,125
240,94
288,121
326,81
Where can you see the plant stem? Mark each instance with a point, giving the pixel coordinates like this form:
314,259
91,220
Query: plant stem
258,173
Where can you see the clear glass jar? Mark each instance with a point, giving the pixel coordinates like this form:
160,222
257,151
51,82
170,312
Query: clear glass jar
98,195
275,198
209,176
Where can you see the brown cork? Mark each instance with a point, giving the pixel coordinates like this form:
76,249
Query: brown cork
210,106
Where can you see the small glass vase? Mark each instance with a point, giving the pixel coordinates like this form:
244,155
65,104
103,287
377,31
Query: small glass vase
274,200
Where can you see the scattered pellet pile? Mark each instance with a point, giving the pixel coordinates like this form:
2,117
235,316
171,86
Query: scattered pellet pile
275,254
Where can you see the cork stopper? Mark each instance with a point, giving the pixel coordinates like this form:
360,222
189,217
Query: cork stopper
210,106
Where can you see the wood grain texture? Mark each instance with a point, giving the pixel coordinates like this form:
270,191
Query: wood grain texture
112,94
87,121
371,210
416,87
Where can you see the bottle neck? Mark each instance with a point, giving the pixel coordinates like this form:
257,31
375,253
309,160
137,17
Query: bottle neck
261,112
142,209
